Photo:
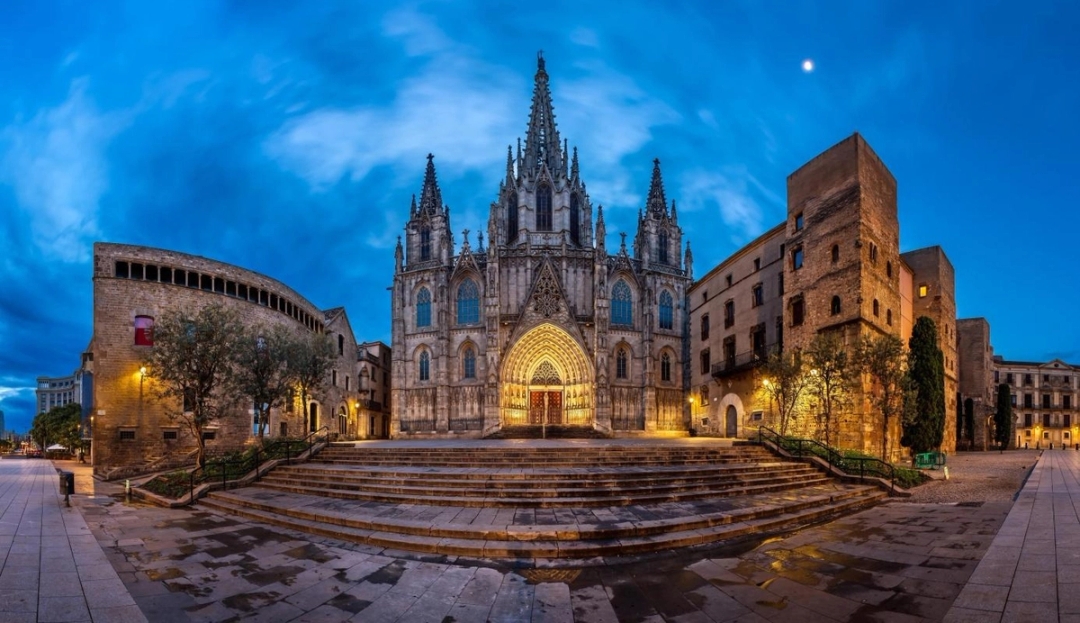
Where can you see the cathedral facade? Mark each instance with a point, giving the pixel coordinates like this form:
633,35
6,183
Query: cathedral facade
543,326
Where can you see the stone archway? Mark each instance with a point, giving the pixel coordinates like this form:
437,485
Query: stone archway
546,379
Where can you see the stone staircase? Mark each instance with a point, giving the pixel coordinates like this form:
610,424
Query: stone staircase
574,500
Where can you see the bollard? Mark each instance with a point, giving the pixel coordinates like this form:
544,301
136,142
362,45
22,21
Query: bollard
127,488
945,470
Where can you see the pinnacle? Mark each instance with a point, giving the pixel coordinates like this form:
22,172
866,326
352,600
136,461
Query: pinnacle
430,195
656,204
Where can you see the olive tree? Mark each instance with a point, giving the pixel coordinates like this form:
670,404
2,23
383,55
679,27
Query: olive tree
882,358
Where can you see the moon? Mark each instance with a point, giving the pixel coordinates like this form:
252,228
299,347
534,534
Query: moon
808,66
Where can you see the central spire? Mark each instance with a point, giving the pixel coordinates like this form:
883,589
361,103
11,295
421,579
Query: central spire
542,145
430,195
656,204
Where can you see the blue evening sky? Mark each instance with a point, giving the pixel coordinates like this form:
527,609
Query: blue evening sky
287,138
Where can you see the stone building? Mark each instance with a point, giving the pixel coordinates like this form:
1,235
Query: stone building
833,266
57,391
1043,399
543,326
374,378
133,285
976,379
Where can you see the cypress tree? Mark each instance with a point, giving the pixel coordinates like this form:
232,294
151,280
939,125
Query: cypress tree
1003,417
925,429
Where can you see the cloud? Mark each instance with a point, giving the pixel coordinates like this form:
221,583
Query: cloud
585,37
733,193
56,164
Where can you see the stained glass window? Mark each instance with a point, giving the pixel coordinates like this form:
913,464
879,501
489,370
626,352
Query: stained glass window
665,367
468,303
622,304
621,364
543,208
423,308
470,363
575,216
666,311
425,366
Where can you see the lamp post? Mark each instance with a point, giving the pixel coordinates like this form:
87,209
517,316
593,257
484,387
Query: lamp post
142,377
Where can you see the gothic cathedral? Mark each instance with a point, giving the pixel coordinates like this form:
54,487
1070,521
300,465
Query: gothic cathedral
543,327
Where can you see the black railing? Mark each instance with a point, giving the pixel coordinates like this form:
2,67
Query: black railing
742,361
862,467
231,470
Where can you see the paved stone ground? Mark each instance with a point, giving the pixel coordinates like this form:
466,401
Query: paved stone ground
978,477
51,566
896,562
1032,570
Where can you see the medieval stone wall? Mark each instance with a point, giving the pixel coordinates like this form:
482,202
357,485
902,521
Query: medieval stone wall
976,380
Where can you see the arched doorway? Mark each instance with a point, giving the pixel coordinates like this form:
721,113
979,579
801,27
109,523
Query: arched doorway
343,422
546,380
313,417
731,422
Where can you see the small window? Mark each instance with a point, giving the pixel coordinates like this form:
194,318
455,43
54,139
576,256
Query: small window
705,327
1027,420
667,315
729,280
340,345
166,274
757,295
835,253
333,378
621,364
780,283
151,272
423,308
797,312
798,222
144,330
877,308
1009,378
622,305
425,244
729,314
888,269
782,246
873,253
796,258
425,366
888,317
347,382
209,435
192,279
121,270
206,282
834,309
470,363
757,263
219,285
756,416
706,361
136,271
665,367
127,435
169,435
230,288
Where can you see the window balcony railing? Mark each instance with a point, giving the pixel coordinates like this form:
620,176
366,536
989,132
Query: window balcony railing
743,361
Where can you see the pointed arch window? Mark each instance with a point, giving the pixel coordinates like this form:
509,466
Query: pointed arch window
667,311
621,364
425,366
575,217
468,303
423,308
543,208
835,307
663,250
425,244
665,367
469,365
622,305
512,216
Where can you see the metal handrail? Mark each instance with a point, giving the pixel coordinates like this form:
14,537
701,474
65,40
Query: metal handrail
256,460
808,447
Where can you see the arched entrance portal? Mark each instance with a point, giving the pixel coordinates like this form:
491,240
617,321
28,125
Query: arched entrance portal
546,379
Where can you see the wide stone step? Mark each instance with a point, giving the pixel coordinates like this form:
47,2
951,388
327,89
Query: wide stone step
760,516
495,478
496,460
497,499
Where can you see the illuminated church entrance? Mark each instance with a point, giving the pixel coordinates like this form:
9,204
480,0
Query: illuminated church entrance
547,381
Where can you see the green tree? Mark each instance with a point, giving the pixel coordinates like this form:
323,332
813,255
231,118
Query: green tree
883,359
1003,417
925,430
310,361
261,369
785,381
832,375
58,425
969,420
190,366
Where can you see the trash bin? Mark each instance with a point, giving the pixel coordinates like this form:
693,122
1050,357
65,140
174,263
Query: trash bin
67,483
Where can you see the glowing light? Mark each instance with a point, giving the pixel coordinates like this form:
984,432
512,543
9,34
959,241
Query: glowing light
808,66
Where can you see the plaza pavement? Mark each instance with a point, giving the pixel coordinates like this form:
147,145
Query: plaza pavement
895,562
1032,570
51,566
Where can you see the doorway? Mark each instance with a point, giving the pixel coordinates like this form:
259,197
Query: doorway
731,422
313,417
545,407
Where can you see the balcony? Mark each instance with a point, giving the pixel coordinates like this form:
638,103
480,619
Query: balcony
742,361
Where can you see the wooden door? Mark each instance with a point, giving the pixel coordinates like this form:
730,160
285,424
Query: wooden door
536,407
554,408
